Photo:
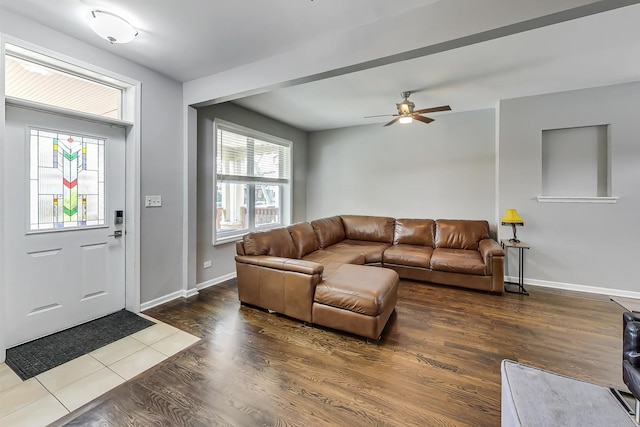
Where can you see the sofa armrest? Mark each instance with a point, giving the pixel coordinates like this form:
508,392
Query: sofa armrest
489,248
631,378
284,285
240,248
493,257
284,264
631,338
631,352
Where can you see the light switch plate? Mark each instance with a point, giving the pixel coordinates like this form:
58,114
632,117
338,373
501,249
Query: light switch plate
152,201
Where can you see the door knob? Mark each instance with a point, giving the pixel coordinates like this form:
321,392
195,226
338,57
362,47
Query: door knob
116,233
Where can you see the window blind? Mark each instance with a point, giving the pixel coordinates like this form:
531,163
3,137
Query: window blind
243,158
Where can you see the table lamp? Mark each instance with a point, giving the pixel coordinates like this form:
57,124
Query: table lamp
512,218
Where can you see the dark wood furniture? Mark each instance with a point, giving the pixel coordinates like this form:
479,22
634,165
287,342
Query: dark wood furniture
520,246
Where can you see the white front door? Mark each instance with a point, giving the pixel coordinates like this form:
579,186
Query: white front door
64,181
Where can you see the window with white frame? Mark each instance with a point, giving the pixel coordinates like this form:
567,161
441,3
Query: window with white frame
252,181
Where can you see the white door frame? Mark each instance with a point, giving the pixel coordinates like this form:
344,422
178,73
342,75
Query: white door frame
131,114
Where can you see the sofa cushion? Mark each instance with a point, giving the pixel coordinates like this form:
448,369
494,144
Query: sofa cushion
458,261
414,232
460,233
364,290
304,239
369,228
372,251
276,242
408,255
325,257
329,231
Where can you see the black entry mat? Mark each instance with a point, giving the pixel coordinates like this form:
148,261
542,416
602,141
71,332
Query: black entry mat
35,357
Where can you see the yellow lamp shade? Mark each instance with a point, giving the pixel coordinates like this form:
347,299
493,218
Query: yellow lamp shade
512,217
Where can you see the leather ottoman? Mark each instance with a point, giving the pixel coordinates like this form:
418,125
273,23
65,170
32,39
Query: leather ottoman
356,299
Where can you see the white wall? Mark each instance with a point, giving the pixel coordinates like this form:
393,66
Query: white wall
364,47
574,244
222,256
444,169
3,301
161,151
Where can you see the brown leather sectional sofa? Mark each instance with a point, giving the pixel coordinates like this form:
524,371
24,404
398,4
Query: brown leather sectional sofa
323,272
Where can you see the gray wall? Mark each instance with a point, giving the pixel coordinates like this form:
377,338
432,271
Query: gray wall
161,173
445,169
161,152
574,243
222,256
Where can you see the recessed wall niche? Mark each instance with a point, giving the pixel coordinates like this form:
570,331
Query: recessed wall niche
575,162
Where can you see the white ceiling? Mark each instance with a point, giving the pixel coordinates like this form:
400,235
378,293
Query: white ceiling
187,39
597,50
190,39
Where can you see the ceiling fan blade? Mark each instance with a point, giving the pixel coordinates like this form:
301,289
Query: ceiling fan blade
421,118
392,121
380,115
433,110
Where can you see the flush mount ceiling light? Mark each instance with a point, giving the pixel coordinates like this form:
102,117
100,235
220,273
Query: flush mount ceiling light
111,27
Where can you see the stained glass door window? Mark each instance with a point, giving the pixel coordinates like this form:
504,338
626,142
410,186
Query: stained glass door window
66,180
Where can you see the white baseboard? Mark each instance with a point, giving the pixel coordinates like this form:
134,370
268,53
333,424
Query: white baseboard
576,287
163,299
216,281
534,282
185,294
169,297
190,293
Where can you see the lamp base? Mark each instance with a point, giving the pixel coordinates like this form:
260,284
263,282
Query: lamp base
515,238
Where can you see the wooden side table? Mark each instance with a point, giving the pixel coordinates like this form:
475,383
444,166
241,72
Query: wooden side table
521,246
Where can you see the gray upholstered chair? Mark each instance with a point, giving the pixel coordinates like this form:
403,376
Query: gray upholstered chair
631,356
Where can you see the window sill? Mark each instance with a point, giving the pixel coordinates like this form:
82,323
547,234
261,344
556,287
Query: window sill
238,237
568,199
227,240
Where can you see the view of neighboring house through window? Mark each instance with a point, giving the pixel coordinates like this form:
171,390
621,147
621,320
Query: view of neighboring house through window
252,181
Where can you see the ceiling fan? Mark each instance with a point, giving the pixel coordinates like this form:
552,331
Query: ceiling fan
406,112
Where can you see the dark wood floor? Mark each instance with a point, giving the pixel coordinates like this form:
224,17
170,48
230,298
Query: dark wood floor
438,363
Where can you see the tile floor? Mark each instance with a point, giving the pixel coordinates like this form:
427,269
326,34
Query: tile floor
51,395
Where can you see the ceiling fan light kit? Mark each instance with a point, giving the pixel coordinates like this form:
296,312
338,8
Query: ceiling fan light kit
407,113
